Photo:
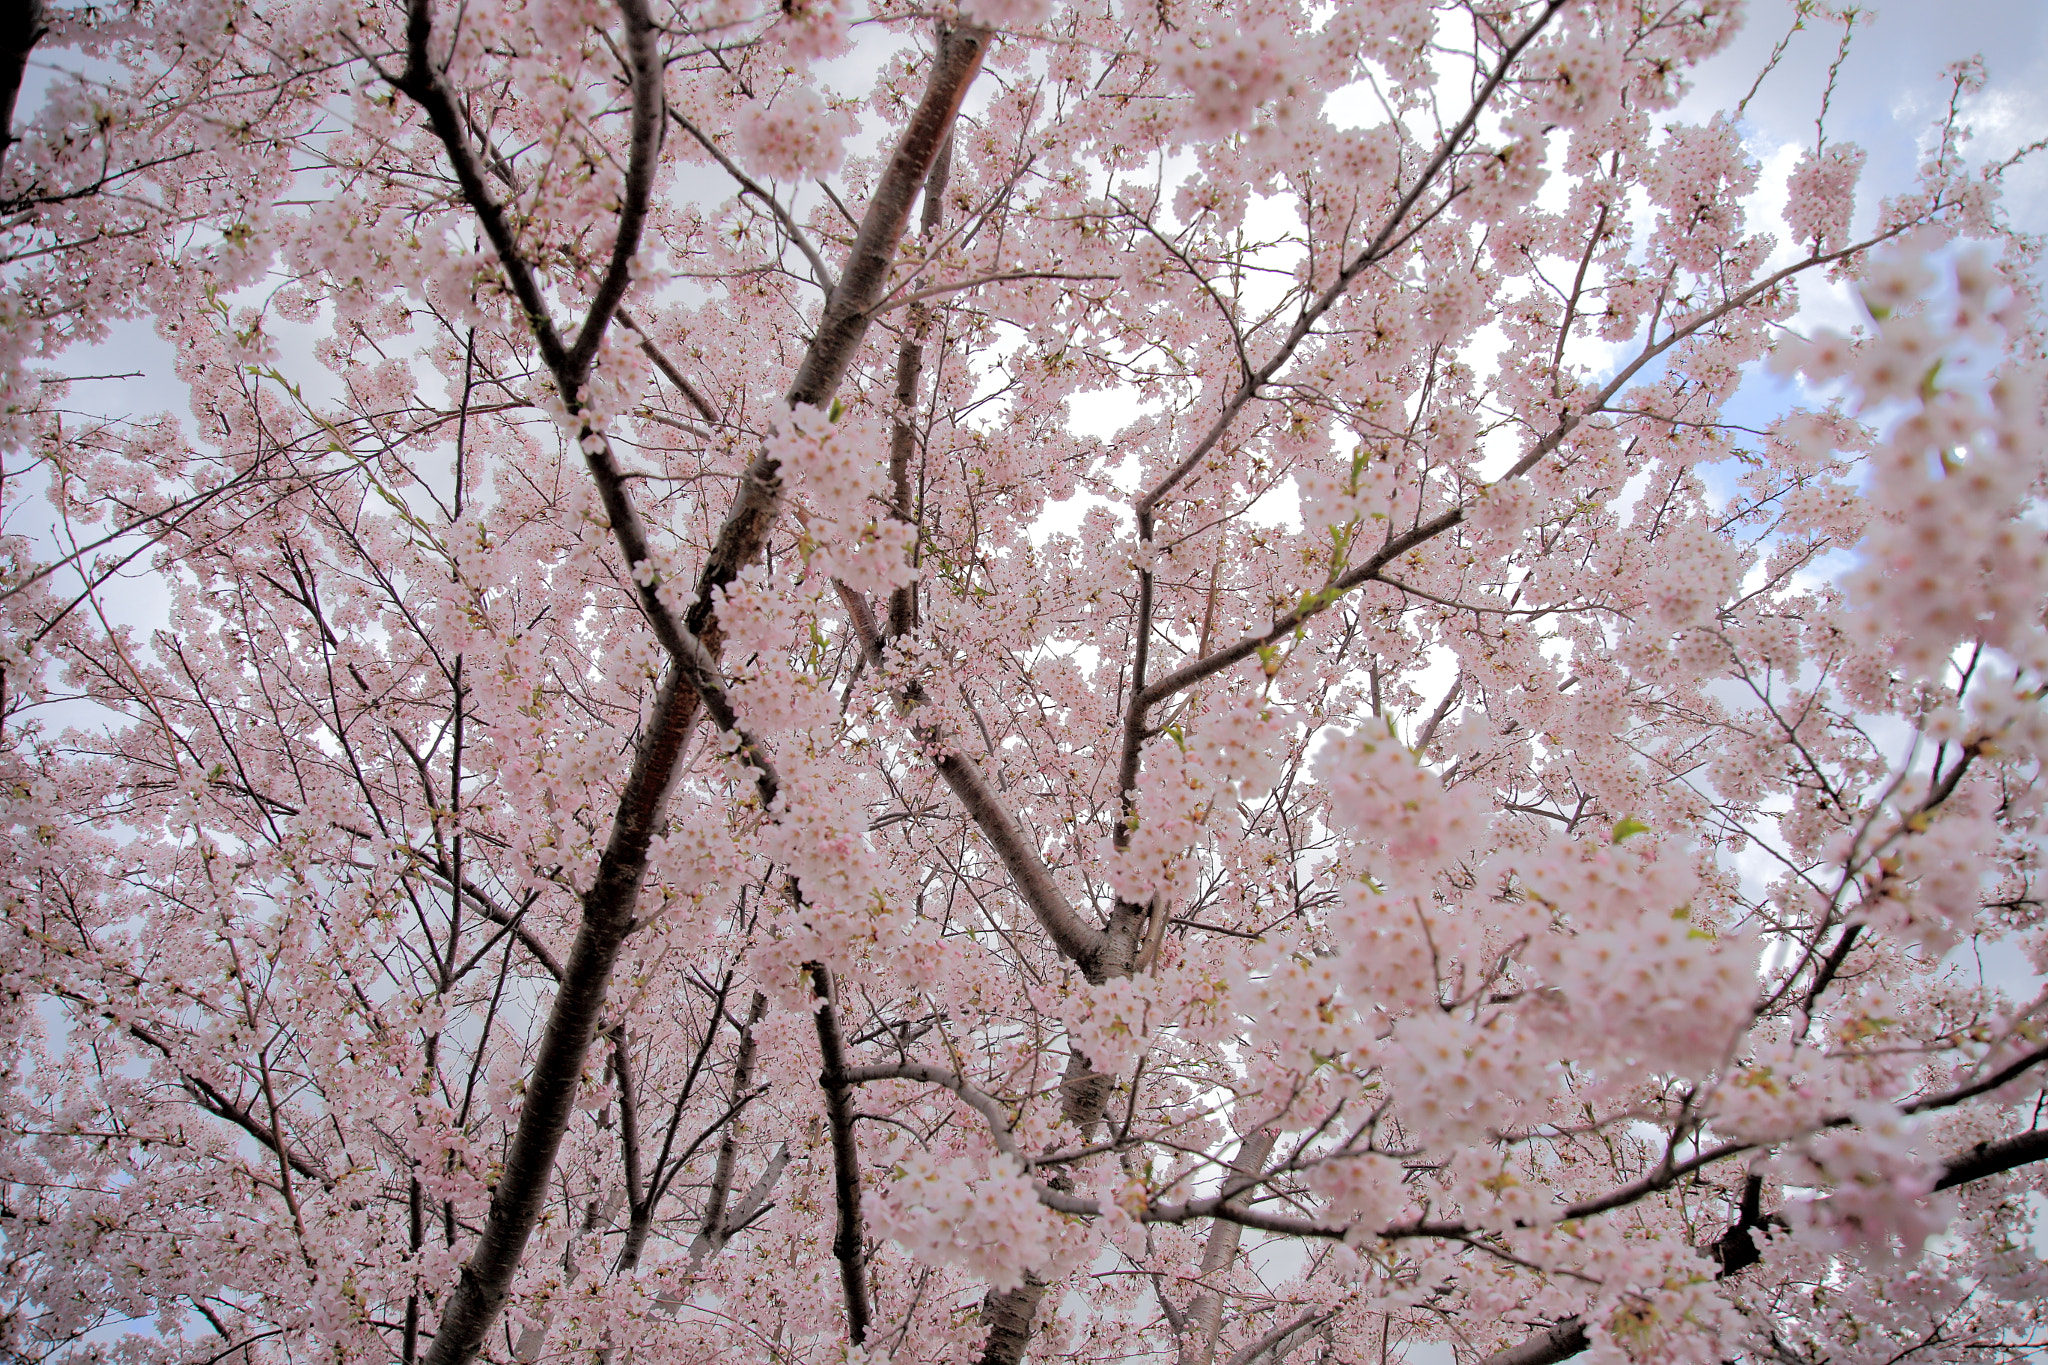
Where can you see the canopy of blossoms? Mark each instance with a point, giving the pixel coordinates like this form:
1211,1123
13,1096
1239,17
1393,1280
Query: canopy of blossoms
824,683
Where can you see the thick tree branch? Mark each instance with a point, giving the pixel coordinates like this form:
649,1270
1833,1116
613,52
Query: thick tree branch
1079,941
729,1145
21,28
644,67
990,1108
704,406
552,1081
1560,1342
1009,1315
427,86
909,365
706,1244
1071,935
693,676
1076,939
1987,1159
1276,1345
209,1097
838,1087
608,906
629,1118
845,321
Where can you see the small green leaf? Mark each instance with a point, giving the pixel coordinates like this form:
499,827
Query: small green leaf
1627,826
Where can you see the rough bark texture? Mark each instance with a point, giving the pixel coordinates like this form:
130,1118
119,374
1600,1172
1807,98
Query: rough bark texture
716,1228
1009,1315
903,440
1987,1159
1084,1094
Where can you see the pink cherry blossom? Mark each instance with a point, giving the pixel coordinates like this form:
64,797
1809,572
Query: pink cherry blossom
830,682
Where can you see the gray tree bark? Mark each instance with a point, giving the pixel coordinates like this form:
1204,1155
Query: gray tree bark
1205,1314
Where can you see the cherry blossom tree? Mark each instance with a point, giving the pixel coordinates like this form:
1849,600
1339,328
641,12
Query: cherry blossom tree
1110,680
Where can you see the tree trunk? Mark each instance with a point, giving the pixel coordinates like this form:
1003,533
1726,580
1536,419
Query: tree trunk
1205,1314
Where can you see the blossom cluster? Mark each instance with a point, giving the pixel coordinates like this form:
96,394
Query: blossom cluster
838,462
1948,556
795,134
1880,1189
1285,643
957,1211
